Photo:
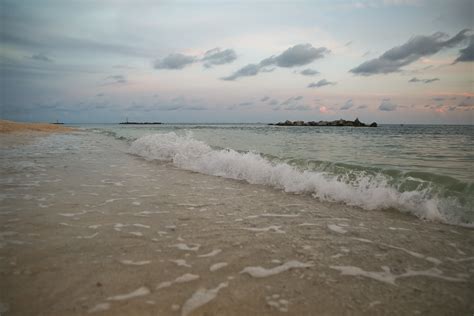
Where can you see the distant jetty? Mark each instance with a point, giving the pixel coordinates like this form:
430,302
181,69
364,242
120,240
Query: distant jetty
58,123
141,123
340,122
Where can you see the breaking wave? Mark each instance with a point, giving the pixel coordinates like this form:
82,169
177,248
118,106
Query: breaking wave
365,188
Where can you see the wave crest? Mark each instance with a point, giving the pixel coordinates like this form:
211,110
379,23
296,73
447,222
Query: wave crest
362,189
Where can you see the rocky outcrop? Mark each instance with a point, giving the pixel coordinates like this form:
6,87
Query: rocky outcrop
340,122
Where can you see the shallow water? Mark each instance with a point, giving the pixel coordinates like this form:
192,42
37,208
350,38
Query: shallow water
88,228
423,170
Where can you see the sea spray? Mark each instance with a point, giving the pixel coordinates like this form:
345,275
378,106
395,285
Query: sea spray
365,190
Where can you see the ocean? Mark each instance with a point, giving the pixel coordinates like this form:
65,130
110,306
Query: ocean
424,170
242,219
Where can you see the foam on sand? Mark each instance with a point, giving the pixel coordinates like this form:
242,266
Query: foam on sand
275,229
201,297
188,277
181,263
337,229
135,263
142,291
211,254
217,266
99,308
387,276
182,246
260,272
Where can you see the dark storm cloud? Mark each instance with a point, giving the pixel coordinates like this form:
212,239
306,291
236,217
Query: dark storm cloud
397,57
174,61
321,83
415,80
346,106
298,55
309,72
265,98
217,56
467,54
387,106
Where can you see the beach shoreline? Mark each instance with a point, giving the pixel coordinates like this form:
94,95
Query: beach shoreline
89,228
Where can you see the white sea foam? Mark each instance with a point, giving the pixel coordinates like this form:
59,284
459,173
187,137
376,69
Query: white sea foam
138,292
181,263
260,272
368,192
211,254
185,247
200,297
188,277
387,276
337,229
217,266
275,229
99,308
135,263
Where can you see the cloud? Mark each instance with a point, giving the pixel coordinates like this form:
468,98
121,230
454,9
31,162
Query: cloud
99,95
174,61
273,102
212,57
397,57
247,71
321,83
468,102
246,104
292,100
298,107
298,55
415,79
115,79
265,98
363,106
438,99
240,105
387,106
347,105
466,54
217,56
41,57
309,72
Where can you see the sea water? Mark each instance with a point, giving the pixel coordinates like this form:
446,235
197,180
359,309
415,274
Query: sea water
424,170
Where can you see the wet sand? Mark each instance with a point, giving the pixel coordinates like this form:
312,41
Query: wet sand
87,228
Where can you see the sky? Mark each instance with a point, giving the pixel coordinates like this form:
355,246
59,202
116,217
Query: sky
389,61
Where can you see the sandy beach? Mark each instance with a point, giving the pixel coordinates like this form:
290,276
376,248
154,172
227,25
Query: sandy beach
89,229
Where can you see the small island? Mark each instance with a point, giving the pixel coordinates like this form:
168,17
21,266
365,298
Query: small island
140,123
340,122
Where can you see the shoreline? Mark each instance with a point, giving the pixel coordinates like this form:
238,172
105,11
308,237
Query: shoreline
7,127
90,229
